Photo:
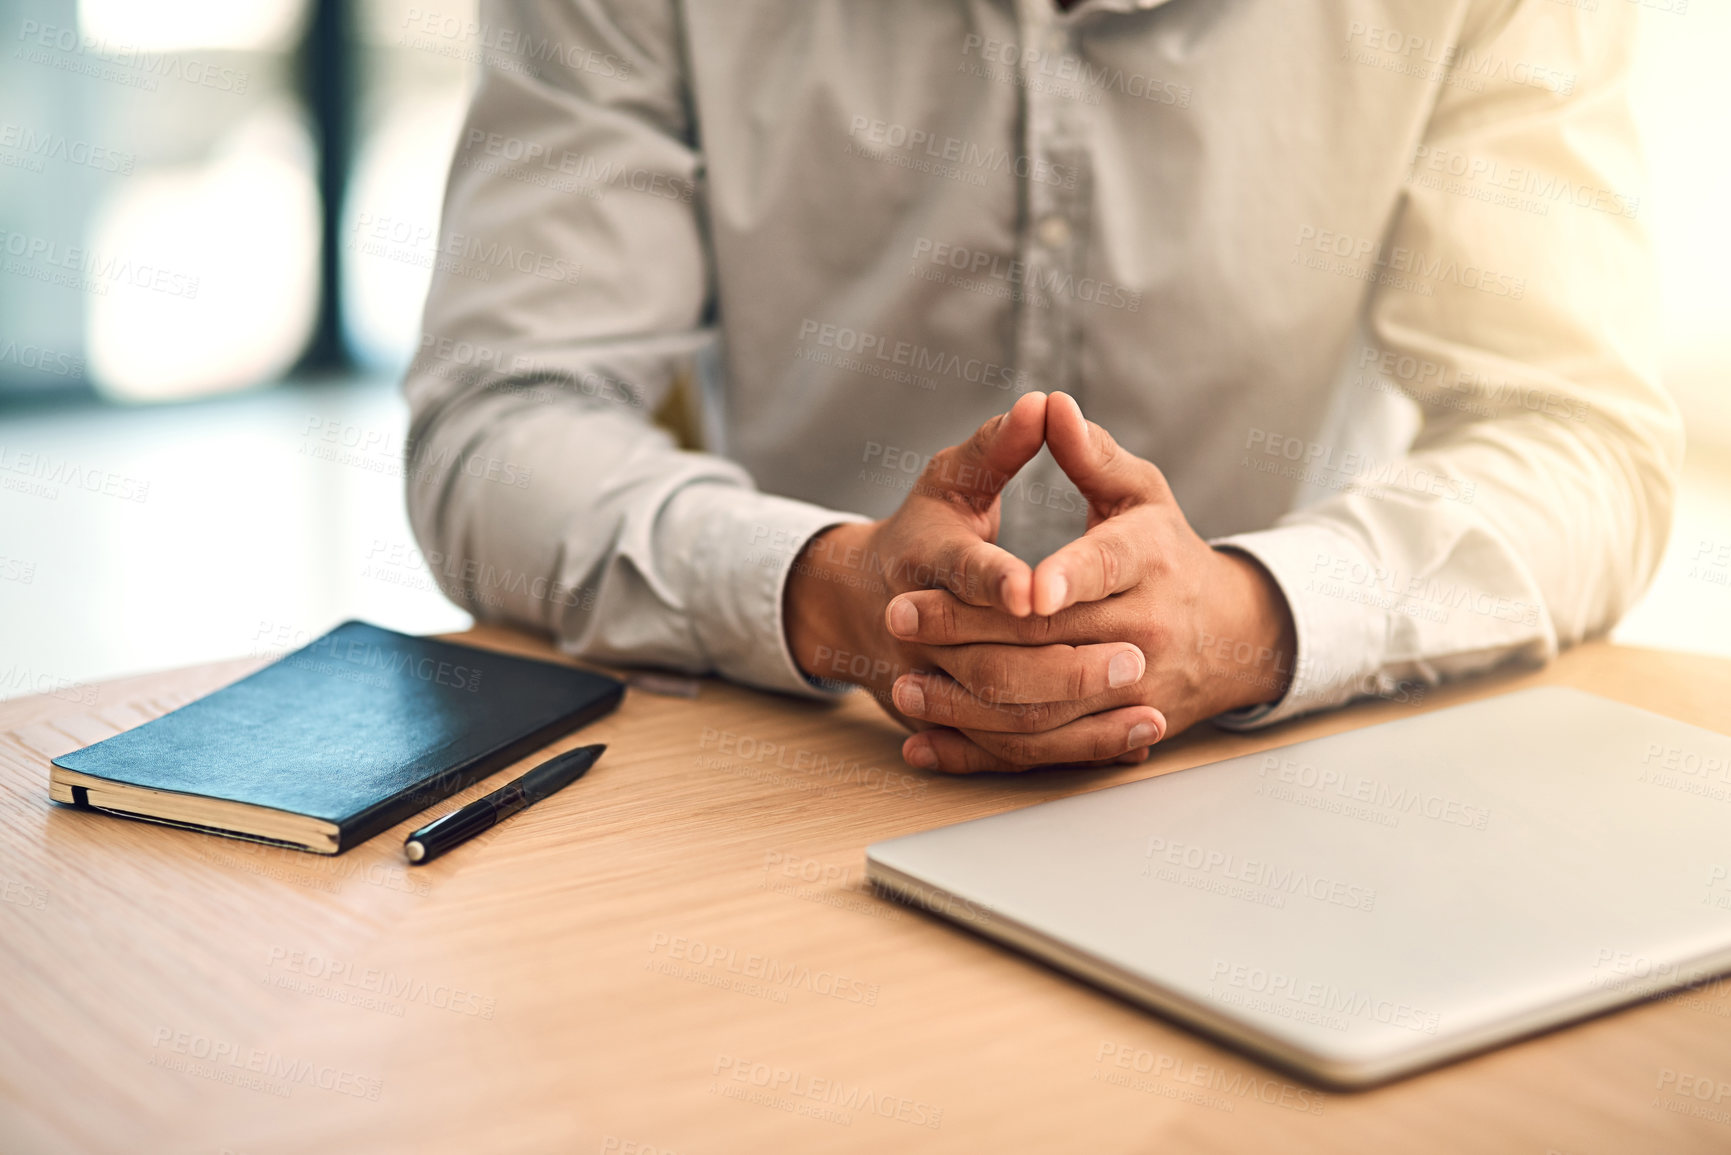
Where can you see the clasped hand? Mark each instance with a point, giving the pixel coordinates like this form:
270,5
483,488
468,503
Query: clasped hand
1130,633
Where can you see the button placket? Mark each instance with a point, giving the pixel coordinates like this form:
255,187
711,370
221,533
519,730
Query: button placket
1035,337
1055,176
1051,173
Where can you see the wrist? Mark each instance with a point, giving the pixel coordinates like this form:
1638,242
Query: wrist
1263,646
823,601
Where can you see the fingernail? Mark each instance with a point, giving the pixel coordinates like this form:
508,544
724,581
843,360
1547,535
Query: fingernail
1143,734
1060,588
910,699
1126,667
919,754
904,618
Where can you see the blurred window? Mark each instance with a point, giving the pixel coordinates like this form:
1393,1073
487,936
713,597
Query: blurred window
157,195
163,178
416,66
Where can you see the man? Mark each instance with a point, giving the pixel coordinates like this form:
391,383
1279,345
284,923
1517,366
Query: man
1359,290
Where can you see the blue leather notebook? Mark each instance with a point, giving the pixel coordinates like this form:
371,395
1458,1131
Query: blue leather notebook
329,745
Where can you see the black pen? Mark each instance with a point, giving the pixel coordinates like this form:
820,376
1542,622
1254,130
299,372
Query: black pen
457,827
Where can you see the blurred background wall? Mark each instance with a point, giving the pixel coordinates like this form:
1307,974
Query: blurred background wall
216,228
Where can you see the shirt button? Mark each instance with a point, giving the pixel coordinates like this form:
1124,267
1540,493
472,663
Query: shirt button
1054,232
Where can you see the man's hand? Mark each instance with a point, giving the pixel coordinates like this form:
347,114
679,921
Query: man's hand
1214,626
941,541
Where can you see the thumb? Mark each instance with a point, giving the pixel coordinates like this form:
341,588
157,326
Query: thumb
975,472
980,467
1105,473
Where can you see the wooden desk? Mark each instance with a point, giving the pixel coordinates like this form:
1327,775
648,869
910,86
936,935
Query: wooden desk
613,971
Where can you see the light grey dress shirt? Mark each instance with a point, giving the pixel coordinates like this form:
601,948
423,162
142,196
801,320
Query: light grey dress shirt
1367,280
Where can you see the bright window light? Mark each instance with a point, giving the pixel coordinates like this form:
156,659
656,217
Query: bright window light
185,25
390,222
205,278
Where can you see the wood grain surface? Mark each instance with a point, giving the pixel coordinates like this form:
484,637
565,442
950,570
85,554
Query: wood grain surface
678,954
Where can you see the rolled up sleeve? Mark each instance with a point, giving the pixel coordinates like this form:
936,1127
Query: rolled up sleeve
1535,502
572,291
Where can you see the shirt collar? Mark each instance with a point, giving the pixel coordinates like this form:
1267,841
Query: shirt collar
1116,5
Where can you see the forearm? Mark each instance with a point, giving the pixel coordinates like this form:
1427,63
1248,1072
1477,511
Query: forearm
1533,506
1249,648
538,485
1523,539
622,547
821,607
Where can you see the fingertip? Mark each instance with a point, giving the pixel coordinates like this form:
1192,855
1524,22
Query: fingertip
1011,439
1142,734
917,752
1126,667
1029,413
1051,594
1066,428
908,696
902,617
1015,594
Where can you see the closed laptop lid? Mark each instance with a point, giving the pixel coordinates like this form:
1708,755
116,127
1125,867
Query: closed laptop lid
1369,903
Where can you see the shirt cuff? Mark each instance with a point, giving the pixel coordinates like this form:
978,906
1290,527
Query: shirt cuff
745,550
1340,641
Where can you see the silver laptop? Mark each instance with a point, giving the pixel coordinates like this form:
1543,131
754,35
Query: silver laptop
1359,907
